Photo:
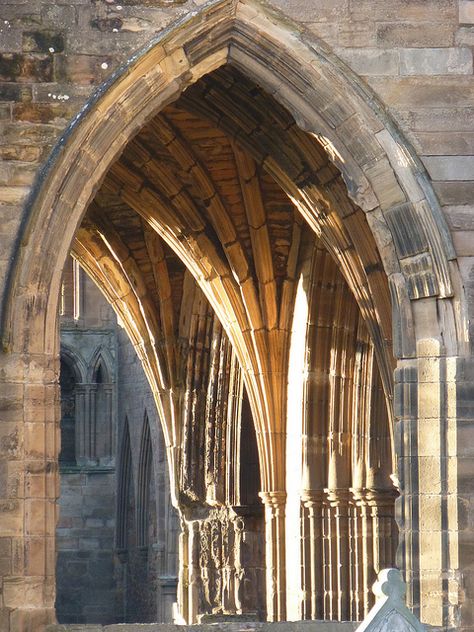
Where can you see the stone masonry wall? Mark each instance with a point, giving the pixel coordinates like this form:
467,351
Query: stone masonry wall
151,572
86,586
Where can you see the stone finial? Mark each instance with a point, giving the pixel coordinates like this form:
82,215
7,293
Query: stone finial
390,584
390,613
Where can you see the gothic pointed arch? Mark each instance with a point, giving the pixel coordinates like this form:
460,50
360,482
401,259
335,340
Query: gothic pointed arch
125,489
414,198
145,479
292,114
75,361
100,365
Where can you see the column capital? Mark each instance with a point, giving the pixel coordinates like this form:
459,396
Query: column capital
274,499
338,497
310,497
374,497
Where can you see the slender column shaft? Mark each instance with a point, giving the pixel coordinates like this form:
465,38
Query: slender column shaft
81,397
339,502
275,554
91,425
314,504
194,571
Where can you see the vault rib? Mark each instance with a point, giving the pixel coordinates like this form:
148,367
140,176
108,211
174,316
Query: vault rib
260,239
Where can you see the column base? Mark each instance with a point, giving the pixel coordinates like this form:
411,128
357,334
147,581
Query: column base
30,620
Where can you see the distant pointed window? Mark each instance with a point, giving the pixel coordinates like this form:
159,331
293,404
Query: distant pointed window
67,382
125,504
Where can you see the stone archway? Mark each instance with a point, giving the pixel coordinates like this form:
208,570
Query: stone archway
382,176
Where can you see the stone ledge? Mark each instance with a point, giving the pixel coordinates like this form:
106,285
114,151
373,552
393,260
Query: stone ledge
224,626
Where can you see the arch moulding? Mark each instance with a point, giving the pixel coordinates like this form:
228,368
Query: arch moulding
75,361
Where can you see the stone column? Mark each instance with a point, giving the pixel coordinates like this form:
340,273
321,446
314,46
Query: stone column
274,503
375,540
381,505
29,446
426,411
194,572
306,585
183,573
108,444
359,556
313,502
91,421
338,501
85,419
365,552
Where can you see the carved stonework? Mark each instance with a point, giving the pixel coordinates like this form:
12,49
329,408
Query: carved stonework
390,613
226,572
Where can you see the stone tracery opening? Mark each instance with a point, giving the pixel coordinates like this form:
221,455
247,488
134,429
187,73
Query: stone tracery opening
68,382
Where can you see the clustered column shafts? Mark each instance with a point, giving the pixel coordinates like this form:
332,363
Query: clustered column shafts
221,558
349,532
275,553
94,421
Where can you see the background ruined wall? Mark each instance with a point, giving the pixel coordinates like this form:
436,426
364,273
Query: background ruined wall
99,579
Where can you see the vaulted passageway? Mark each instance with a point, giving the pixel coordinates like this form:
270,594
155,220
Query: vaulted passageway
235,240
201,235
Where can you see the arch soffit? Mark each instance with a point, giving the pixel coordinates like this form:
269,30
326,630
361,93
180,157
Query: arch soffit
326,99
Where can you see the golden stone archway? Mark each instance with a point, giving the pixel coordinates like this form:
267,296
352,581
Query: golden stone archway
366,232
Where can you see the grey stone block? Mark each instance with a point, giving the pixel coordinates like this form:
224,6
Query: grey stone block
466,12
10,38
436,61
371,61
445,143
454,193
401,34
450,168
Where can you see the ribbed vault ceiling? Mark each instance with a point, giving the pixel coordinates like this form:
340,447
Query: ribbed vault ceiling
223,183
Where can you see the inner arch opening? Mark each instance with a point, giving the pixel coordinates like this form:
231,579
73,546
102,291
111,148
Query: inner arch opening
216,215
